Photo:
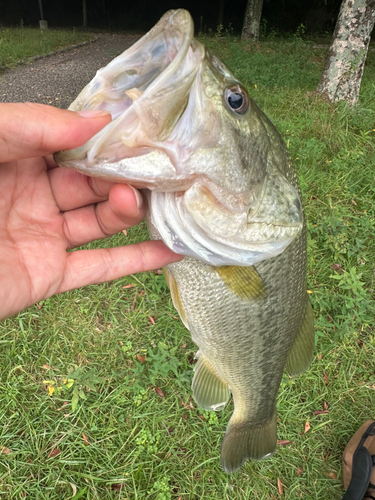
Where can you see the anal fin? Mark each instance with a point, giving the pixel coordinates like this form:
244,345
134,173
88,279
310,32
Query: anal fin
301,354
209,391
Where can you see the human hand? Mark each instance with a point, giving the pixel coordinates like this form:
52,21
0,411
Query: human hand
46,210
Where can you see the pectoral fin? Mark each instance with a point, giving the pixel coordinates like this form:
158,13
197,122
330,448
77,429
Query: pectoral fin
209,391
176,299
300,356
243,281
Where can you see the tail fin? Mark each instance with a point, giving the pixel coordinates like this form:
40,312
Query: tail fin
246,440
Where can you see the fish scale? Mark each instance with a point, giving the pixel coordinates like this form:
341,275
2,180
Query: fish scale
247,341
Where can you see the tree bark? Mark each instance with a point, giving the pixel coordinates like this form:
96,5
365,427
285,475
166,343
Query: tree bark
41,10
221,13
84,9
342,75
251,22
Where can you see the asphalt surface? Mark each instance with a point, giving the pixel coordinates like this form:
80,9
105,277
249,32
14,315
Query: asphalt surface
58,79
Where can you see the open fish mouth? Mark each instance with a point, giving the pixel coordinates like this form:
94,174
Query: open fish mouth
175,125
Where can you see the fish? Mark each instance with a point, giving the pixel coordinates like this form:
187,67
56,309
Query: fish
223,192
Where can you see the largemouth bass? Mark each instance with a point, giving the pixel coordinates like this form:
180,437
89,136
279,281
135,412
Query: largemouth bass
222,192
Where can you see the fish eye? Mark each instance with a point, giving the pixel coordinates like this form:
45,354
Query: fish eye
236,99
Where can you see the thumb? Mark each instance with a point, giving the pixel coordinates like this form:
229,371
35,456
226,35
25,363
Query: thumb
28,130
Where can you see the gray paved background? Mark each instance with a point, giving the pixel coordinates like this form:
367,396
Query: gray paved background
58,79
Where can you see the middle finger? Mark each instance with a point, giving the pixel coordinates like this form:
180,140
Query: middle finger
73,190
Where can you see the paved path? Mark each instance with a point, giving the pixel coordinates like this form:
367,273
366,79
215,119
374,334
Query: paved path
59,78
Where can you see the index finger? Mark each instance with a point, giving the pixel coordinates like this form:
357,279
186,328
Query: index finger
28,130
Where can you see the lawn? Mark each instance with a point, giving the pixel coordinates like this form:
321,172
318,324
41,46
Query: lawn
22,43
95,384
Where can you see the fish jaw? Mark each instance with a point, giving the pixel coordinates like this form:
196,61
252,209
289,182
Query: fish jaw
145,89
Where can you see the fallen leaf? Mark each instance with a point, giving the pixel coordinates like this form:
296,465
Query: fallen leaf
74,488
129,286
328,454
117,486
23,494
159,392
151,319
337,267
183,346
299,471
85,439
54,452
46,367
5,451
64,404
280,487
307,426
141,359
188,406
331,475
320,356
325,405
134,301
320,412
325,378
354,203
184,416
191,359
283,442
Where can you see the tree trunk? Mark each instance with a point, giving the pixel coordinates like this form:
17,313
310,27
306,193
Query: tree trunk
251,22
41,10
342,75
221,13
84,8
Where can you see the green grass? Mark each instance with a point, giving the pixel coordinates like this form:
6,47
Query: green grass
73,364
22,43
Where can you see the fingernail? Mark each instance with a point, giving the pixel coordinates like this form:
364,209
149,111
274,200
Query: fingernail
138,197
93,113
